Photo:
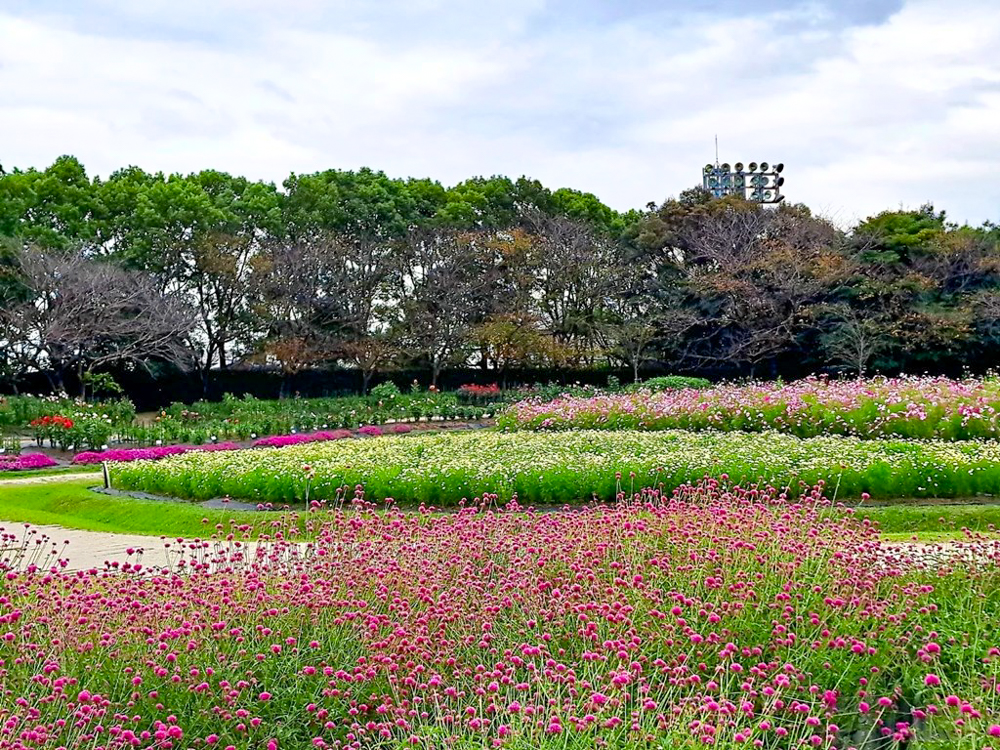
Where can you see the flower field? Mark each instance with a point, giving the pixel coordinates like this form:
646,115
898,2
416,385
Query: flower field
568,467
914,407
715,617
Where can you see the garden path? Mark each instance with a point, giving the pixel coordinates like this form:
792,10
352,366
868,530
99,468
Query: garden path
91,549
45,479
86,550
44,545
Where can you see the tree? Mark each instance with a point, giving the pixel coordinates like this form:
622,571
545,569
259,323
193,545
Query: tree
370,354
854,338
54,208
575,270
738,278
514,339
83,314
447,287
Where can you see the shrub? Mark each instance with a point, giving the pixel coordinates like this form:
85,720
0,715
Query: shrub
385,391
672,383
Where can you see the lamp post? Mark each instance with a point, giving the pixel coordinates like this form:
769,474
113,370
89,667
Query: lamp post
760,183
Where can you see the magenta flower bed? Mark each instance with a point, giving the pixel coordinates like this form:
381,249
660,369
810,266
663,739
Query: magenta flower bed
147,454
369,431
280,441
714,618
26,462
401,429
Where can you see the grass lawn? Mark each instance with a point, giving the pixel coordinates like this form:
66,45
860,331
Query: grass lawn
935,522
73,505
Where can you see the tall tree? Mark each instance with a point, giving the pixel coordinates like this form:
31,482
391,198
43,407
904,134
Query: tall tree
82,314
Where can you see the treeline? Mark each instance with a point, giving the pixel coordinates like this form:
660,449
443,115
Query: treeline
355,269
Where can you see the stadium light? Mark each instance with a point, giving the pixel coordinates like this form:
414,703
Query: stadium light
759,182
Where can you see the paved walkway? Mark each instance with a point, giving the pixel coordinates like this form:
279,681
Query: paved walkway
67,477
91,549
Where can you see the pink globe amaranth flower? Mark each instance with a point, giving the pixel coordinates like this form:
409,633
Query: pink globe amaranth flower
932,680
265,696
994,730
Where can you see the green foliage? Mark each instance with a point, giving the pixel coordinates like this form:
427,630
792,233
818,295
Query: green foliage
571,467
694,285
671,383
17,412
102,383
249,418
384,391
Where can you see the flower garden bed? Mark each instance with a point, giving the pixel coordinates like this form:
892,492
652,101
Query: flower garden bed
914,407
568,467
721,618
26,462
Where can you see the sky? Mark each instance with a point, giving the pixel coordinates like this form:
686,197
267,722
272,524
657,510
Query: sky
870,104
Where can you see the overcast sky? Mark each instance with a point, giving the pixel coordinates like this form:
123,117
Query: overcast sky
870,104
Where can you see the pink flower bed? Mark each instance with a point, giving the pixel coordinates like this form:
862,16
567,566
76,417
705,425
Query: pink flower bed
370,431
914,407
709,618
26,462
147,454
280,441
401,429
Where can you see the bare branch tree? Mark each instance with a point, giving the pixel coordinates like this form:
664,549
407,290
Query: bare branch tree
853,338
83,314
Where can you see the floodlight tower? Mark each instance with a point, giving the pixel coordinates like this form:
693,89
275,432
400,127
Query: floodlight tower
759,182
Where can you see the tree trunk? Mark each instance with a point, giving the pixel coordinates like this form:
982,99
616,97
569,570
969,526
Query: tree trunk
79,377
635,370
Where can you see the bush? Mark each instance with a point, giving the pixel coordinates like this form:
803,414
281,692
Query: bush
671,383
385,391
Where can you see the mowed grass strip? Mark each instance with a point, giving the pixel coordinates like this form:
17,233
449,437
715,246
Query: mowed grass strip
74,505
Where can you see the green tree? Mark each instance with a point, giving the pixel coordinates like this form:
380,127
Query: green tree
53,208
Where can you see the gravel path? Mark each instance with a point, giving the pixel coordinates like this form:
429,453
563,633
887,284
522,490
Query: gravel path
86,550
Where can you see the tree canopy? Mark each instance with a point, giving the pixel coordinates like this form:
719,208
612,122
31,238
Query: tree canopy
365,270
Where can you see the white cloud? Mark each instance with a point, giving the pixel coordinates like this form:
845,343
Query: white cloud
865,117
